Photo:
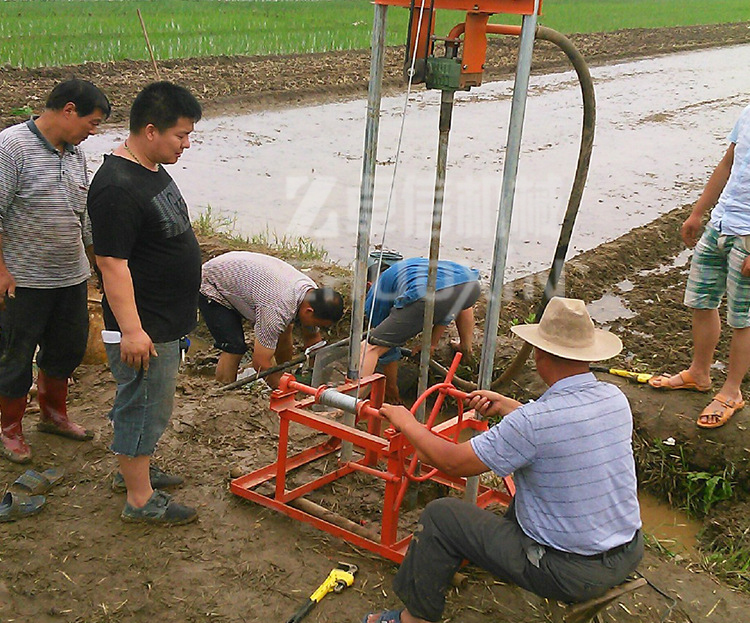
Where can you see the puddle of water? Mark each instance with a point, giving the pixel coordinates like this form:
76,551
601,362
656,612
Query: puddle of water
672,528
680,260
625,285
608,309
297,171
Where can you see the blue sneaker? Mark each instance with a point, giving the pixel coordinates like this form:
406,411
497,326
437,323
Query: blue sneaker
160,509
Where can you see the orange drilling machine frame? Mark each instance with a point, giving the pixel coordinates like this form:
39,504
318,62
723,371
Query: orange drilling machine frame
457,73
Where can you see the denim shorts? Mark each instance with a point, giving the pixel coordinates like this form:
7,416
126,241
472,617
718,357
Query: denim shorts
714,270
225,326
144,400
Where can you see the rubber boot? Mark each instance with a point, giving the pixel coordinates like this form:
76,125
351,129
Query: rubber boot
14,446
52,395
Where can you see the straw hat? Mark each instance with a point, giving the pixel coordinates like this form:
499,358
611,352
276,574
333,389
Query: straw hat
566,330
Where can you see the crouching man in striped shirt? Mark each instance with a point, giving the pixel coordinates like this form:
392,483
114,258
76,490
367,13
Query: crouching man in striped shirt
44,233
573,529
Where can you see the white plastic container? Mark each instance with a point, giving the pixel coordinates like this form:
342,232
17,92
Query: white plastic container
111,337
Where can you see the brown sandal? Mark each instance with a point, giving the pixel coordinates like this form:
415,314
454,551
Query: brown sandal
662,382
719,416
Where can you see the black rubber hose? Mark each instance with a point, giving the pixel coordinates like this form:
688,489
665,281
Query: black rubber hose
576,193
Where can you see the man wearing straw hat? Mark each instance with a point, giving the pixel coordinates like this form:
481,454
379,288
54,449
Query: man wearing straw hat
573,529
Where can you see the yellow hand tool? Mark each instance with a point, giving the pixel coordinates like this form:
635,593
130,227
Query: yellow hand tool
338,579
639,377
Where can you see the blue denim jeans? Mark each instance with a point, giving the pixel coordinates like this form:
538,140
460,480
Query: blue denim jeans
144,400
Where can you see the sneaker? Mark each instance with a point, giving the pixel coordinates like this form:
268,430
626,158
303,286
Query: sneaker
159,480
160,509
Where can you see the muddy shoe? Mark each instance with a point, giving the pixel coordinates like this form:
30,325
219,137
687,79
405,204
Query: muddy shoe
160,509
159,480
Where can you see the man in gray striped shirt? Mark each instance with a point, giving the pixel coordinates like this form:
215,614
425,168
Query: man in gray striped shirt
44,233
273,296
573,528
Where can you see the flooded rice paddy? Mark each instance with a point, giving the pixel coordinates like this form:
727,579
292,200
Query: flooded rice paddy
662,127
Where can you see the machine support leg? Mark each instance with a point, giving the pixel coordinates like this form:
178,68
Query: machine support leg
510,171
367,191
446,115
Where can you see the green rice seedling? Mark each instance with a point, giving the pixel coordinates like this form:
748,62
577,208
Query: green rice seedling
48,33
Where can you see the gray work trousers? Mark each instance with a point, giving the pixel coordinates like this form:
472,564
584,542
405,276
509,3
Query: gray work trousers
451,530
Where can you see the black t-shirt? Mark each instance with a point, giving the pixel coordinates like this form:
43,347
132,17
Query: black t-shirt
140,215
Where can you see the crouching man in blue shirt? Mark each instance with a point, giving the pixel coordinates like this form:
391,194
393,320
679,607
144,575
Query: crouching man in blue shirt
573,529
395,306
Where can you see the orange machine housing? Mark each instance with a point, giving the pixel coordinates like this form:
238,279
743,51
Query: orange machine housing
474,29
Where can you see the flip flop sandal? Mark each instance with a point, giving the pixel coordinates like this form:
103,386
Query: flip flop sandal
730,407
662,382
387,616
18,505
34,483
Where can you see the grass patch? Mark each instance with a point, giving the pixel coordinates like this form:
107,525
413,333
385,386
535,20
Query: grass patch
725,537
582,16
36,33
665,470
213,225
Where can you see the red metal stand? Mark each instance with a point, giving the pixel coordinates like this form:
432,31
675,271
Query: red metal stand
375,447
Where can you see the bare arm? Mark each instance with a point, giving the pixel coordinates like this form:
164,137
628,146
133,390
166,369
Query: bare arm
136,346
9,183
284,346
7,282
451,458
263,358
438,331
310,336
94,266
693,225
490,403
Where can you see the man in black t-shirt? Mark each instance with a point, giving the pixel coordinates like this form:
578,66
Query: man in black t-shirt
151,269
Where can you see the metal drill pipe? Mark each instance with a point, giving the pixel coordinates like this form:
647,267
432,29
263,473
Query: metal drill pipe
510,172
330,397
367,187
367,191
446,116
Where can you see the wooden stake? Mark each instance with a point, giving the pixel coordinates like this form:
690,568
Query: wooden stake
148,45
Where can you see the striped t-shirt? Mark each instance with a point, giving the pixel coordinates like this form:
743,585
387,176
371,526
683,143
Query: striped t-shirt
262,288
43,220
572,459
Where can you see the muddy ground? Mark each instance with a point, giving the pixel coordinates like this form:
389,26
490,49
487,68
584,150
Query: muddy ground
77,562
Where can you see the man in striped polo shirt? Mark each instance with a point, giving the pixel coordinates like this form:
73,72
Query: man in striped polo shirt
573,529
273,296
44,234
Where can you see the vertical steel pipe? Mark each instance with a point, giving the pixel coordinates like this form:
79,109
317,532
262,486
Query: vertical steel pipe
367,187
366,196
446,116
507,195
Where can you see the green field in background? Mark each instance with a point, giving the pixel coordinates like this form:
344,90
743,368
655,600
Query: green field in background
58,32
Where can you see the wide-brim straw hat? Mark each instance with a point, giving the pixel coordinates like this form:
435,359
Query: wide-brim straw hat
566,330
